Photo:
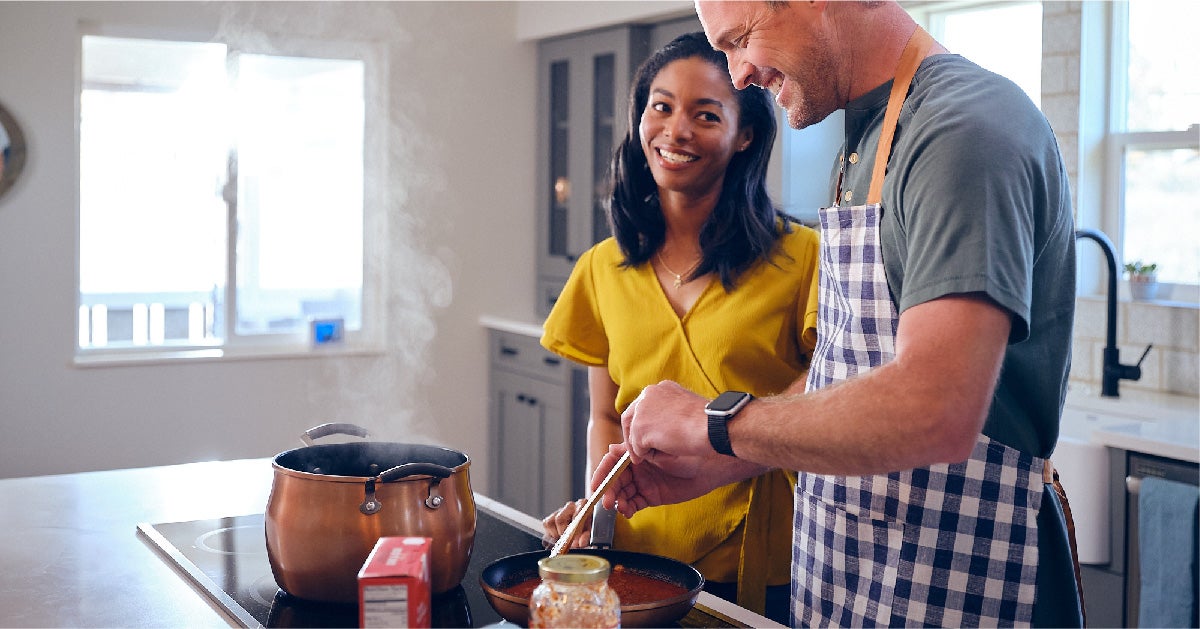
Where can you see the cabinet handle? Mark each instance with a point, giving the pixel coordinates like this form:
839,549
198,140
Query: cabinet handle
532,401
508,351
521,397
553,361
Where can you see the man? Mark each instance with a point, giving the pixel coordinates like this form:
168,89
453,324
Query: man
947,300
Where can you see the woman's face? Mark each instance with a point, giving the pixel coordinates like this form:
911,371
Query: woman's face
689,128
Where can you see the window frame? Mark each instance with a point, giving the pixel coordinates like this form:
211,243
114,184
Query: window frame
370,338
1116,142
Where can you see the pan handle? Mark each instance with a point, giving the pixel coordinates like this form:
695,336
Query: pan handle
415,469
332,428
603,527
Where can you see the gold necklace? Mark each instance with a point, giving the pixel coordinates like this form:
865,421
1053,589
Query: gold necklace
678,276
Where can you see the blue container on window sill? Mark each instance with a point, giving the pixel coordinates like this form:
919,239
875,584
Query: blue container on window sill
326,330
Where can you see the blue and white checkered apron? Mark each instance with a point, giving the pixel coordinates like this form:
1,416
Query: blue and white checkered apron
947,545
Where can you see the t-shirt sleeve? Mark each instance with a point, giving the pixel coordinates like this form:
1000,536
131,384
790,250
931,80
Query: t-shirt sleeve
574,328
968,196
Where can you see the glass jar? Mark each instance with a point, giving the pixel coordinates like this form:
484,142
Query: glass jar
574,592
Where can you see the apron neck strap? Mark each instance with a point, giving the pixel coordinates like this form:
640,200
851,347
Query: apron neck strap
914,52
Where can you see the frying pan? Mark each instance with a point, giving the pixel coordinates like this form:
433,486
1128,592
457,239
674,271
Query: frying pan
509,571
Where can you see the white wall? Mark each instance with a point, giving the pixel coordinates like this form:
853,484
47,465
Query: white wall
541,19
462,89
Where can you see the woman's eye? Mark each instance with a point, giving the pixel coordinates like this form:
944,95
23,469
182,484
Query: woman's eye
660,107
708,116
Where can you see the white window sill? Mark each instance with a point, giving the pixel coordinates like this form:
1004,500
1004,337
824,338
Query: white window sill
190,355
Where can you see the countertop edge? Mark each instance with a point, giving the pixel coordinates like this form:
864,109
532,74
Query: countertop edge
1159,424
510,325
1156,447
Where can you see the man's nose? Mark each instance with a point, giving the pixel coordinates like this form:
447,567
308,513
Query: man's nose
742,72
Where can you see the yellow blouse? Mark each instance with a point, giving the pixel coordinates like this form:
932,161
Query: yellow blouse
757,338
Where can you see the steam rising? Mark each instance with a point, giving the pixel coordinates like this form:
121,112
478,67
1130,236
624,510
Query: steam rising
387,394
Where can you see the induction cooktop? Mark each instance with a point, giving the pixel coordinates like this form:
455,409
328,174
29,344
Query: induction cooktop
227,558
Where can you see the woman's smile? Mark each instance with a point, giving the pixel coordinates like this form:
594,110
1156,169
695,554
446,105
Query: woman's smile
675,156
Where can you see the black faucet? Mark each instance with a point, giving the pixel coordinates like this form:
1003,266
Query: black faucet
1114,371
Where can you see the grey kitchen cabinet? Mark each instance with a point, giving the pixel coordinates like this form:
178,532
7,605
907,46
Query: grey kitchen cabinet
583,83
538,434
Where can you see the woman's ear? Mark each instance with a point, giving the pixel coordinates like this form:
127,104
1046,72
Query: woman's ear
747,138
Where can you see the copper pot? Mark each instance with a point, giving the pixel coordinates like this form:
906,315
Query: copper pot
330,503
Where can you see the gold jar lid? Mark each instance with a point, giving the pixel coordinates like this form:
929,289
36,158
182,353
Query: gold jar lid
573,568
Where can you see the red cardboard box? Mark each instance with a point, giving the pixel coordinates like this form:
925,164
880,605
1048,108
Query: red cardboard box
393,584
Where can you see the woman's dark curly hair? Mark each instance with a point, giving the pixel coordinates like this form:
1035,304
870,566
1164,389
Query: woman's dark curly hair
743,226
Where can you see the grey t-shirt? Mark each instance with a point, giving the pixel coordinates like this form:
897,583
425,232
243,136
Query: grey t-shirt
976,200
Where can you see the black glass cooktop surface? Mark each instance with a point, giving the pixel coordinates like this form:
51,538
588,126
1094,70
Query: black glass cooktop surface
227,559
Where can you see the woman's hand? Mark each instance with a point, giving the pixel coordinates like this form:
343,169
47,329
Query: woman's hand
555,523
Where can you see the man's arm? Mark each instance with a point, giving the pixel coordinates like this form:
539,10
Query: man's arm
926,406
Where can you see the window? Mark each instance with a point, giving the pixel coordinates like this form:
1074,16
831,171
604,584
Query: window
221,197
1152,151
1004,37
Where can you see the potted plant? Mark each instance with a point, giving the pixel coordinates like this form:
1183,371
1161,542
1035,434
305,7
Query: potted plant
1143,279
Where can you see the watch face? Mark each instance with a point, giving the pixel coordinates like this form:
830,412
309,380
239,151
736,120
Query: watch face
727,401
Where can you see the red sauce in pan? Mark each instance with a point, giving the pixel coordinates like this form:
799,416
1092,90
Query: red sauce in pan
632,588
523,589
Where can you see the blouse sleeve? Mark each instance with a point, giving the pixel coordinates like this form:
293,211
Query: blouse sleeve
574,328
809,265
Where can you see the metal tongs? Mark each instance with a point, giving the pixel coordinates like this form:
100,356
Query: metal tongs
564,540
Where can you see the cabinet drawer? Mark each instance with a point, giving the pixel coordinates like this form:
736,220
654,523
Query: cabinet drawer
526,355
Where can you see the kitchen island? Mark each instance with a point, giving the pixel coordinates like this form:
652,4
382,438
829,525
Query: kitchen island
78,550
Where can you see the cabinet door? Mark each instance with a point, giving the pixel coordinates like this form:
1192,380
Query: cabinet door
583,82
664,32
531,443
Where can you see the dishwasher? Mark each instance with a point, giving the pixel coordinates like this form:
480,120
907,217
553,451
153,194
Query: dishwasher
1139,466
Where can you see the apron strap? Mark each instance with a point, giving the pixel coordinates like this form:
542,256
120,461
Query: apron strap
914,52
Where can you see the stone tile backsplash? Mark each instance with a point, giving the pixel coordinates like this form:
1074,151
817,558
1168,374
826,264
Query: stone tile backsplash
1172,366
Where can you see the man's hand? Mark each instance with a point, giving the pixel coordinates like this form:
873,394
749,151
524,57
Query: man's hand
647,484
667,422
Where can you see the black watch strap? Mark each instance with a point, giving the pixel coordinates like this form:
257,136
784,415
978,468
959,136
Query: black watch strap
718,434
719,412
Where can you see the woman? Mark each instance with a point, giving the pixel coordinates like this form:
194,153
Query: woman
706,283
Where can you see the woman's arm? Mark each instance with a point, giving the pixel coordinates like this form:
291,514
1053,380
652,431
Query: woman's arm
604,429
604,424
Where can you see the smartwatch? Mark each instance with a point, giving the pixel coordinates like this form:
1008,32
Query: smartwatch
719,412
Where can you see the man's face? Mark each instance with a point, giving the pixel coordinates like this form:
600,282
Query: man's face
785,50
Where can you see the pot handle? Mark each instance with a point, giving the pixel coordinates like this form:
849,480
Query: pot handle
332,428
415,469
